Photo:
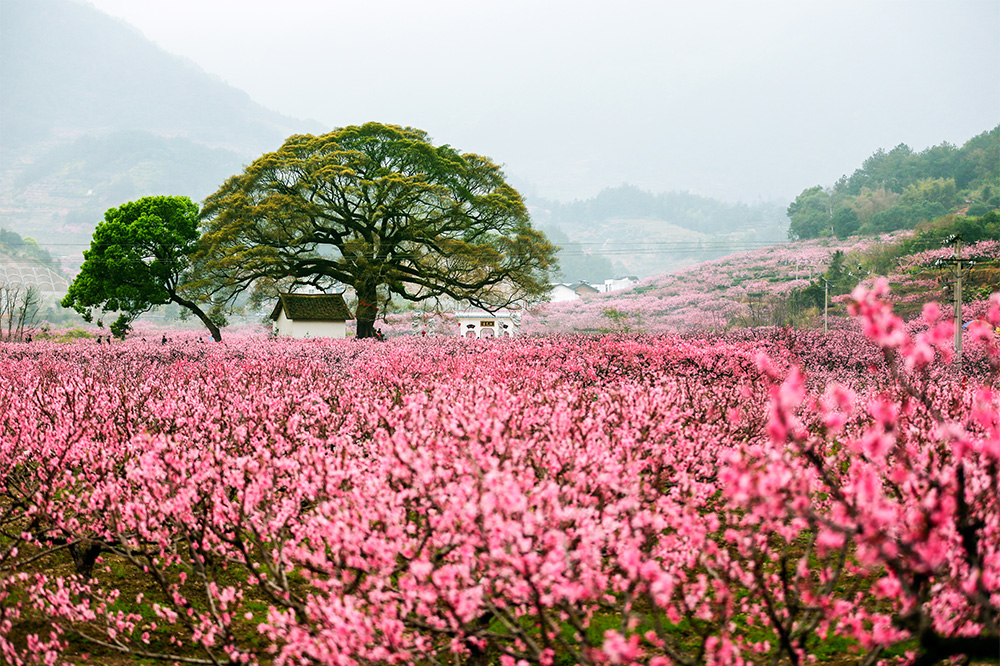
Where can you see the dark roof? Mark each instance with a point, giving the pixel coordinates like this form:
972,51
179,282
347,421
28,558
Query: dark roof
312,307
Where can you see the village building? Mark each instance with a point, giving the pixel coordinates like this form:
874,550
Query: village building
617,284
311,316
561,292
486,325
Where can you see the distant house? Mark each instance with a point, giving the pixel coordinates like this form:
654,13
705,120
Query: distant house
562,292
570,292
485,325
618,284
311,316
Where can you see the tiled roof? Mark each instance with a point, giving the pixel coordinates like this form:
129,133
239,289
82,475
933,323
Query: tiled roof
312,307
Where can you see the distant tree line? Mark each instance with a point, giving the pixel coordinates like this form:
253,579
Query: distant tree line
14,245
900,189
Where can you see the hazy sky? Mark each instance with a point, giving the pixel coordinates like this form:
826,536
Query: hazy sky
737,100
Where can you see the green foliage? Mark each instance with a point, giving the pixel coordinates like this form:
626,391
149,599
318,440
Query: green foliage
811,214
971,229
901,189
845,222
835,271
137,260
621,321
838,279
12,244
904,216
377,207
940,191
67,335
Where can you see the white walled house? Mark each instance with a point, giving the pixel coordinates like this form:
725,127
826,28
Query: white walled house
485,325
562,292
617,284
311,316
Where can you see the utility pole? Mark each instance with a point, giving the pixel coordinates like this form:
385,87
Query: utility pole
958,299
957,274
826,303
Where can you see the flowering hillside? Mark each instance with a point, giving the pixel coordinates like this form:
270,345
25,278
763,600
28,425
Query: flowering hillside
710,296
558,500
758,288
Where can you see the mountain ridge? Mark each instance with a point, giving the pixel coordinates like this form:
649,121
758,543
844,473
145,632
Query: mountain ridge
93,114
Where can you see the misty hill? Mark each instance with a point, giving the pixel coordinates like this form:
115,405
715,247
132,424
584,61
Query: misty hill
643,234
94,115
901,189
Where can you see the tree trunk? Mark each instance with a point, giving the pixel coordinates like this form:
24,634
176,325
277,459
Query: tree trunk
85,554
193,307
366,313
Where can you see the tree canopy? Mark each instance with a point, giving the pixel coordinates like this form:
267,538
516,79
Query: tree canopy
901,189
139,258
379,208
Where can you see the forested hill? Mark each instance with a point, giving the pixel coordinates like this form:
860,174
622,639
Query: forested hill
900,189
626,230
94,114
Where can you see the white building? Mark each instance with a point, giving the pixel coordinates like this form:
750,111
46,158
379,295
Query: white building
486,325
562,292
311,316
617,284
570,292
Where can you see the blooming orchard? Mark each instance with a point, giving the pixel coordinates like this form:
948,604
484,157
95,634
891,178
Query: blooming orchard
757,288
707,297
765,495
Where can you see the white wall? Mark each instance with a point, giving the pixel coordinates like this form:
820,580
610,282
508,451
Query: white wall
309,329
561,292
477,329
617,284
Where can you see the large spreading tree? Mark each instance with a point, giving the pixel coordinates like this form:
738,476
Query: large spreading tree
379,208
140,257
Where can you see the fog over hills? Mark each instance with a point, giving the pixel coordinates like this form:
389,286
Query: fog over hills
69,69
94,114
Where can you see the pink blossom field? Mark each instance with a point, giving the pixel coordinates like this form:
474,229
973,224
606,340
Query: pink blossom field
707,297
735,290
763,496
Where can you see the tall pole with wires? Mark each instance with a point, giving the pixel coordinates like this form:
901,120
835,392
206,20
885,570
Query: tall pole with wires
826,304
958,298
956,270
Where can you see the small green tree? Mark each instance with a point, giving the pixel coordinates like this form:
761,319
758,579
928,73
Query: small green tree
138,259
835,271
